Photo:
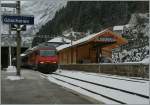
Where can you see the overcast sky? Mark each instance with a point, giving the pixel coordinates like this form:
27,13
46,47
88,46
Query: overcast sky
8,1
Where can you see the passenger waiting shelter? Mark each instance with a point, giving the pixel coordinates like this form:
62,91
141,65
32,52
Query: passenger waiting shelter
90,48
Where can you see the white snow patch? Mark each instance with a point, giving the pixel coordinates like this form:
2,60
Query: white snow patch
146,60
121,82
124,83
121,27
22,54
15,77
11,69
82,91
124,97
118,28
60,39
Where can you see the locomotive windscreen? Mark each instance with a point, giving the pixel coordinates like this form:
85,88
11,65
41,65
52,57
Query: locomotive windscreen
47,52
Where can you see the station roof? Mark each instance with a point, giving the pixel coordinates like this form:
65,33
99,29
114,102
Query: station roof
94,38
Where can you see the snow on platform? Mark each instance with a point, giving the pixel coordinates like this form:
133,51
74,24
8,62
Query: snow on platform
14,78
11,69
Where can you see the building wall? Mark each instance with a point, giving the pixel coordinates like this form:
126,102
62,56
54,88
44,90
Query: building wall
107,52
85,53
81,54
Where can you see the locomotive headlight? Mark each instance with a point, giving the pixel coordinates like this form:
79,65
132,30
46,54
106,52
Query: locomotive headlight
53,62
41,62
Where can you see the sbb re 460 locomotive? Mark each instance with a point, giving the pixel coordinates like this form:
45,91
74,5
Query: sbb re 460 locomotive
41,58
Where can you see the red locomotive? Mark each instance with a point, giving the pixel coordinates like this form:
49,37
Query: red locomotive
42,58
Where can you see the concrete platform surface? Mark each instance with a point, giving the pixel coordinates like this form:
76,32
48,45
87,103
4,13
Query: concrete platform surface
34,89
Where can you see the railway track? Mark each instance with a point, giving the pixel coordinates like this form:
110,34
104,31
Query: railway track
118,101
79,82
141,95
135,86
130,95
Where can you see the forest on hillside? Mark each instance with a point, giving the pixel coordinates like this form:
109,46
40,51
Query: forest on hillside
92,16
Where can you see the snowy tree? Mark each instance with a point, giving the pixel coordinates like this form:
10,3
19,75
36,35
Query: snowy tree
138,37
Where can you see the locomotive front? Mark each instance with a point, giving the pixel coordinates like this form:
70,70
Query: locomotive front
47,60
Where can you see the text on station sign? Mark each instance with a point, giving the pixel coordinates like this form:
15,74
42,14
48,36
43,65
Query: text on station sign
9,19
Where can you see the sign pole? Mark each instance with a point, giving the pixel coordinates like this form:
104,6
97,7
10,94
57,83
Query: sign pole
16,21
18,41
9,47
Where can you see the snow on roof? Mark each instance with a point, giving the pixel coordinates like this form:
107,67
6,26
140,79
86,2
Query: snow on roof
79,41
59,39
118,27
127,25
68,34
63,46
22,54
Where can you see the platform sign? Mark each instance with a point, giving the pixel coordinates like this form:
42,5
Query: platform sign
9,5
106,37
14,19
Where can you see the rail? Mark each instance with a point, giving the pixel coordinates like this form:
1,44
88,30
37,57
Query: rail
84,84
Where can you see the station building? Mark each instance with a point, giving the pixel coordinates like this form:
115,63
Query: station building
91,48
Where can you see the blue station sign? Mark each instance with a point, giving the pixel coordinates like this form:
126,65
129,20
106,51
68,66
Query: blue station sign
14,19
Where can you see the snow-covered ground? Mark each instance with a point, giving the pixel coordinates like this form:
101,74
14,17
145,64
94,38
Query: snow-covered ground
122,83
14,78
11,69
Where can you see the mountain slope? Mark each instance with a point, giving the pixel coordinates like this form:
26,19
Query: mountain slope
92,16
43,11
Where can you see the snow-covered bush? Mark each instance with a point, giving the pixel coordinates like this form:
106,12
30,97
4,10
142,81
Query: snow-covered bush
133,55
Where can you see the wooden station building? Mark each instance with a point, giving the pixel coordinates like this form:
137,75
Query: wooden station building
91,48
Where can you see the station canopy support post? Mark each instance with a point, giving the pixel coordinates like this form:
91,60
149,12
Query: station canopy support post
18,41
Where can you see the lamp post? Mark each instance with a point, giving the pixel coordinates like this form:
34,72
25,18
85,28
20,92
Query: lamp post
71,48
10,47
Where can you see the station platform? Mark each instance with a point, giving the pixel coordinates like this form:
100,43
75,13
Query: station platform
31,88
